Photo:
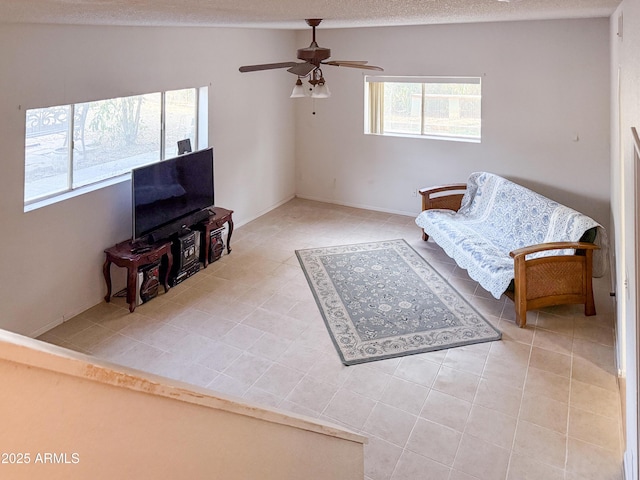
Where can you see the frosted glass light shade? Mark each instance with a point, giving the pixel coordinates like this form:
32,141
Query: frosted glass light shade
298,90
321,91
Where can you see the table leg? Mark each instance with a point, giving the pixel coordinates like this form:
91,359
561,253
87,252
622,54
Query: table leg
106,271
132,286
230,223
207,246
166,275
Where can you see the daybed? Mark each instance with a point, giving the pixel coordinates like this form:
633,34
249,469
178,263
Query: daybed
514,241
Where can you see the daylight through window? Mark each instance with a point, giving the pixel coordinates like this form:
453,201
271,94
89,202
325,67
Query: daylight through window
71,146
433,107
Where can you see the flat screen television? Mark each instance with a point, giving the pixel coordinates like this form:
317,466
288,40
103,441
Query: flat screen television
168,193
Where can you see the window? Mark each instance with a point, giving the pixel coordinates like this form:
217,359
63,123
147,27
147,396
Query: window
433,107
69,147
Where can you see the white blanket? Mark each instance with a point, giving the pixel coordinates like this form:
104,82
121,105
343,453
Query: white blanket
498,216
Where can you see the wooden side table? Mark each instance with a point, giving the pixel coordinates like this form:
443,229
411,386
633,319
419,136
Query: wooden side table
217,220
125,255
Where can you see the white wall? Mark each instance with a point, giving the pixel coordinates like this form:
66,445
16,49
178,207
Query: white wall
625,100
51,258
543,83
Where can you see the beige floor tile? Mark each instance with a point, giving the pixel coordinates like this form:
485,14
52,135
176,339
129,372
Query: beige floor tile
465,360
545,412
220,356
593,428
367,381
280,354
522,467
491,426
590,462
601,355
112,347
540,444
312,394
349,408
555,323
434,441
458,475
412,465
91,336
262,397
380,459
593,332
498,369
329,369
279,380
414,369
242,336
446,410
511,332
459,384
392,424
247,368
404,395
553,341
595,399
496,394
229,385
139,356
588,372
299,357
479,458
510,352
551,361
541,382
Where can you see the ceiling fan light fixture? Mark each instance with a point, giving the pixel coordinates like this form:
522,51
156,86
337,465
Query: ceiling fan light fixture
321,91
298,90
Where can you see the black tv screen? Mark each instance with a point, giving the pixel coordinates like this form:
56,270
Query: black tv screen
170,190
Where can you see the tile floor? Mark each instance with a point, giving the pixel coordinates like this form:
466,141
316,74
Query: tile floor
542,403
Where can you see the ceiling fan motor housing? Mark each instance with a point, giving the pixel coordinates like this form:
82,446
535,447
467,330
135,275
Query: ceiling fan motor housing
314,54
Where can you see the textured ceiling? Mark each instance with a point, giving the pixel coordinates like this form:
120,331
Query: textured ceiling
289,13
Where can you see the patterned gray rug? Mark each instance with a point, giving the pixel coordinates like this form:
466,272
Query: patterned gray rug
382,300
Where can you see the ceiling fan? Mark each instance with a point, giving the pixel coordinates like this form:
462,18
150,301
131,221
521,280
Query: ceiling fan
312,58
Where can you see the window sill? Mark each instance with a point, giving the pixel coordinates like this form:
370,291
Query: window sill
427,137
76,192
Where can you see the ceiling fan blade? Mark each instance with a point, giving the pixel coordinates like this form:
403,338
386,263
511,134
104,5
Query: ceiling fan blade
301,69
338,62
354,65
266,66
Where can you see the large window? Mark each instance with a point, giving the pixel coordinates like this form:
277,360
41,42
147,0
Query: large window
432,107
69,147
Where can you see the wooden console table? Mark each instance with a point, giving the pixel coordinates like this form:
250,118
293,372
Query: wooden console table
217,220
125,255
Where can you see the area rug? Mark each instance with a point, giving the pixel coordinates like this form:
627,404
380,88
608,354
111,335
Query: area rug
382,300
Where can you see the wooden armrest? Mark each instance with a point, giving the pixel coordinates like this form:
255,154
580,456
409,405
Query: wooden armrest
555,280
451,201
552,246
442,188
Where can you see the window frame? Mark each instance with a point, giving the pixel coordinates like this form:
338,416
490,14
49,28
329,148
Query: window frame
374,123
200,140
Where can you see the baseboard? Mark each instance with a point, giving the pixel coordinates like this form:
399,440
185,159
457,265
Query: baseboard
629,466
60,321
359,205
262,212
622,389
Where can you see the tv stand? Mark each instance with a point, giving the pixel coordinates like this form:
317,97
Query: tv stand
134,256
219,216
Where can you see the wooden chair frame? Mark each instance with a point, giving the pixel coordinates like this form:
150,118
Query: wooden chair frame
539,282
